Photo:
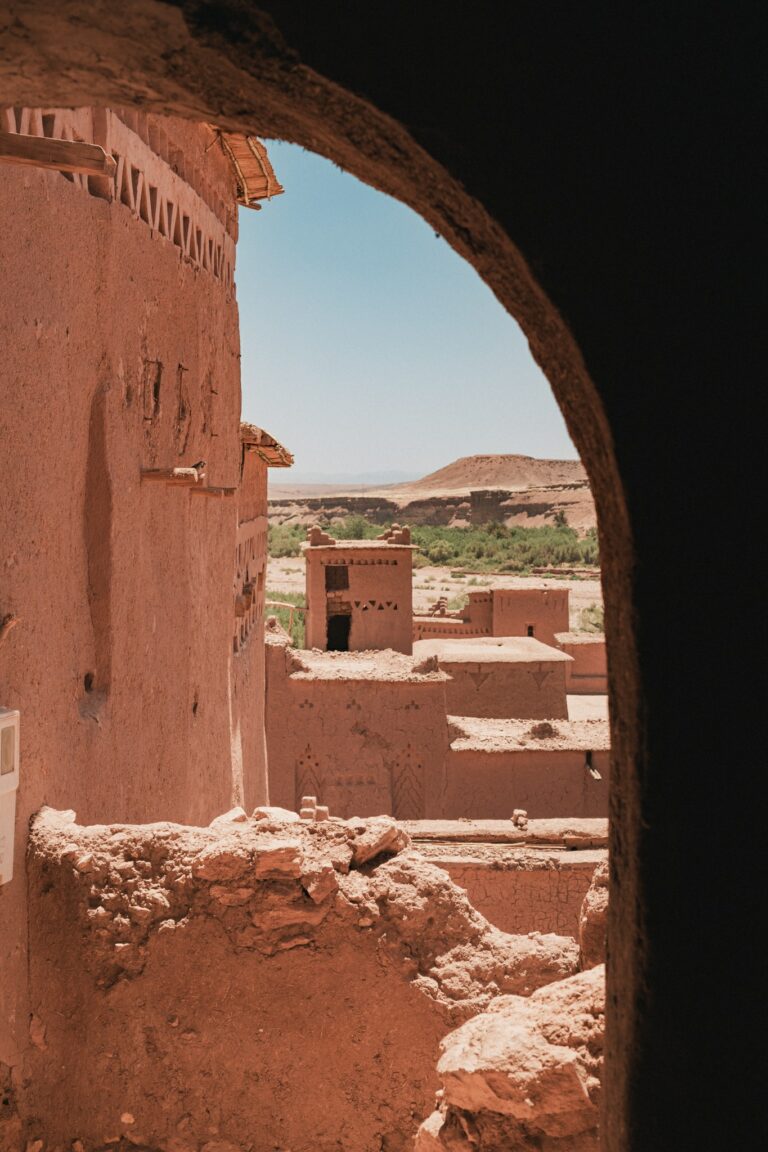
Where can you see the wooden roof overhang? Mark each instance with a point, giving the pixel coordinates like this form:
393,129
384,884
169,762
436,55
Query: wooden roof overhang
255,175
265,446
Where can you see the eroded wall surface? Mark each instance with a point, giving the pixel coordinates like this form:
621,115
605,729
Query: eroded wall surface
248,676
525,1074
499,690
263,981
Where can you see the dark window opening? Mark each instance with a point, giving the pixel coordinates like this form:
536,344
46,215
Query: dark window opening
529,630
336,577
338,633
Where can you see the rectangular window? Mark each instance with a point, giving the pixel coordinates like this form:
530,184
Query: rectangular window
336,577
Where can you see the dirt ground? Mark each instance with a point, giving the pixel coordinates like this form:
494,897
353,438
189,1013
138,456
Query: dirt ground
287,575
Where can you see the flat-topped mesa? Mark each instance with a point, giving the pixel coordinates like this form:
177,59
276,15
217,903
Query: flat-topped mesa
283,950
359,592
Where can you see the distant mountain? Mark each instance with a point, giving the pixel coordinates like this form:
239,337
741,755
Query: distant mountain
472,490
511,472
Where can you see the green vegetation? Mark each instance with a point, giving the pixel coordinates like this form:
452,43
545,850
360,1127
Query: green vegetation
592,618
284,539
295,630
489,548
456,603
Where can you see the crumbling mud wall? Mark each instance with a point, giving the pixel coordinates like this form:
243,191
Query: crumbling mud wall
265,982
593,919
524,1074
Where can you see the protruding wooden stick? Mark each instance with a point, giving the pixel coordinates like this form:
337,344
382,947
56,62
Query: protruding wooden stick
61,155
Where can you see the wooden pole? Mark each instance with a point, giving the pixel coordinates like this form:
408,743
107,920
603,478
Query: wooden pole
61,155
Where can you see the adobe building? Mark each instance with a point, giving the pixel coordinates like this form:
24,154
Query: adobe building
548,769
359,592
588,674
133,510
506,677
258,452
364,732
370,733
537,612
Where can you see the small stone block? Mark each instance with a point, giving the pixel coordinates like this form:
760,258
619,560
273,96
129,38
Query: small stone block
322,812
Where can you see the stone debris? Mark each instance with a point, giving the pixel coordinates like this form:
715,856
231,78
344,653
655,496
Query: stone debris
311,810
593,919
234,816
524,1074
378,836
276,815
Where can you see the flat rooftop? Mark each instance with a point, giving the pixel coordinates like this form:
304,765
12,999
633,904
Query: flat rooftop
578,833
474,733
384,665
358,545
490,649
580,637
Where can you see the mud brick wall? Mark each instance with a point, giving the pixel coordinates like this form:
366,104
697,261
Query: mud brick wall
521,891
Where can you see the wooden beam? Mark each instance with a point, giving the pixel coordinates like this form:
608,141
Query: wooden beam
182,477
61,155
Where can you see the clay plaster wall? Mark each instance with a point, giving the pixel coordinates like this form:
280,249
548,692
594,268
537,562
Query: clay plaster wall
517,610
379,597
249,749
589,672
522,891
497,689
361,746
487,784
120,354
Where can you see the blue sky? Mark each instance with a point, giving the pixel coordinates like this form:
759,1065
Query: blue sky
368,345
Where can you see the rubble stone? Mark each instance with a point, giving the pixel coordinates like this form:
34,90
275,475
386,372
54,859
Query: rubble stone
524,1074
